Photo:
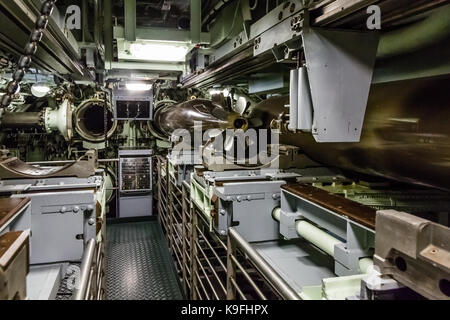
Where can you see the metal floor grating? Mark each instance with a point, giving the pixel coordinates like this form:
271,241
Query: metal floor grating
139,265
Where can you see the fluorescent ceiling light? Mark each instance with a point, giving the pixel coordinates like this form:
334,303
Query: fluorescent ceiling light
138,86
159,52
225,92
40,90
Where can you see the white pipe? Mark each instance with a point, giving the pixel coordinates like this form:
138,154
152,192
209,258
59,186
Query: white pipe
276,213
316,236
321,239
365,265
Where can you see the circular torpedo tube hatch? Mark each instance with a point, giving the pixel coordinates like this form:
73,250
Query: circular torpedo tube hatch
90,121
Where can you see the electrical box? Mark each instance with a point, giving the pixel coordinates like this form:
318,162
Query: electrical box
135,183
133,105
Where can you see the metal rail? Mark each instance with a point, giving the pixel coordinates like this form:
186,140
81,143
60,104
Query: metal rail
176,221
235,241
91,285
82,293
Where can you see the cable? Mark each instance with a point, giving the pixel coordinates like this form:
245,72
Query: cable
30,50
254,5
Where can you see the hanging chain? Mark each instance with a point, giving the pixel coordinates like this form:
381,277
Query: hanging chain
105,120
30,50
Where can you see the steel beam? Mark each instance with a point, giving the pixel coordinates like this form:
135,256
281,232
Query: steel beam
340,8
58,52
196,21
108,32
130,20
148,66
161,34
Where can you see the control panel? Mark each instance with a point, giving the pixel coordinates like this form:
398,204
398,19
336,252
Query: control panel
133,105
135,183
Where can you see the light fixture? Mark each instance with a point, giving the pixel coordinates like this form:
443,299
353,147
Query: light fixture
138,86
159,52
40,89
225,92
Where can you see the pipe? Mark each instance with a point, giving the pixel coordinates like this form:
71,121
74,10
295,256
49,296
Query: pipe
276,213
23,120
49,120
60,120
316,236
321,239
313,234
130,127
86,263
366,265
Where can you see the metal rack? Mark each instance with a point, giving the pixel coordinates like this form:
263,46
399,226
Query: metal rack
211,266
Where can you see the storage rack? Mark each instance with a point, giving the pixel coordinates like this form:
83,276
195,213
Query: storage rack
211,266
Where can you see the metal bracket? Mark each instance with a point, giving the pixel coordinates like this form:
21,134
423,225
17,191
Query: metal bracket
332,60
287,224
415,252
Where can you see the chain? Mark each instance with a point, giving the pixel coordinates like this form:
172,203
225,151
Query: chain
30,50
105,120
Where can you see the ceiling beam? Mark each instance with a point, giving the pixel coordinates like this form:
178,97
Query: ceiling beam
130,20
